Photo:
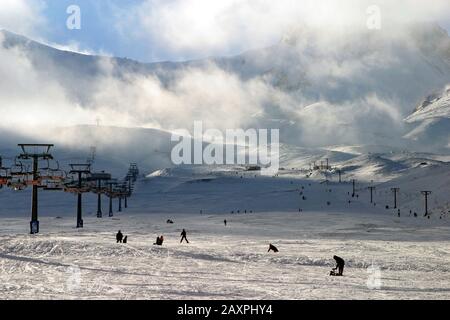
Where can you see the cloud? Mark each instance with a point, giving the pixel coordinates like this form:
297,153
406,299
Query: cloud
210,94
22,16
202,27
29,98
321,86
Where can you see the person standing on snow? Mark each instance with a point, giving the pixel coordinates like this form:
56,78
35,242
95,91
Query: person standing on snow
119,237
183,236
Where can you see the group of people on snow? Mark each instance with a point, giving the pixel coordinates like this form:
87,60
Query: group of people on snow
159,240
337,271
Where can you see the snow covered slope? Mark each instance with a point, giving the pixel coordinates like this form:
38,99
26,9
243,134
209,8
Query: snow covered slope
386,257
432,119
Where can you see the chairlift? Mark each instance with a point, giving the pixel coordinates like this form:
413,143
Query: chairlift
54,175
17,169
4,176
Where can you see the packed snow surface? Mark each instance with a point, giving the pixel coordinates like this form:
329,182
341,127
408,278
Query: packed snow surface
387,257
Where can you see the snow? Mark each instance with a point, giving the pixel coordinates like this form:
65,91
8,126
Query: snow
320,97
411,255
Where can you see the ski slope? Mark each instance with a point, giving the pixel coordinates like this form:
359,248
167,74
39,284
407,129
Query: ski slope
387,257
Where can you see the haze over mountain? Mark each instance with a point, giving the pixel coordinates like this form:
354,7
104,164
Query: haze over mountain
352,87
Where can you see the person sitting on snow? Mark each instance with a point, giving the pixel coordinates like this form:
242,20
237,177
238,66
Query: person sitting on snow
159,241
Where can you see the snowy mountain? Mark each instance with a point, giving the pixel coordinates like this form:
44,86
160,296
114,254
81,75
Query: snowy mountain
432,119
350,89
341,101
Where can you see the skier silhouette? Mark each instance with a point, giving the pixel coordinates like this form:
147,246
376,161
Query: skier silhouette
225,222
340,263
183,236
119,237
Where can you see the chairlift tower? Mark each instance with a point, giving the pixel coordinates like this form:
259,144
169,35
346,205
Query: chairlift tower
395,191
111,183
80,170
426,194
99,178
129,190
371,193
29,152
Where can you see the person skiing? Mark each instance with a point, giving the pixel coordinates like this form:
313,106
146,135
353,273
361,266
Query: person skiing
119,237
125,240
340,263
183,236
272,248
225,222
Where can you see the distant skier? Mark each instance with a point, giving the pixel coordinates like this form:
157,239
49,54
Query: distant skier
340,263
125,240
272,248
225,222
119,237
183,236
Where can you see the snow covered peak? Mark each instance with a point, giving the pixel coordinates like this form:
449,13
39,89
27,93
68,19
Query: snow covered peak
436,105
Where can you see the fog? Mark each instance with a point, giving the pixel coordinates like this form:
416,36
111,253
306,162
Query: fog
328,80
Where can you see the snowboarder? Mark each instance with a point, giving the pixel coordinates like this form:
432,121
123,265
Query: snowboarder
125,240
272,248
183,236
340,263
119,237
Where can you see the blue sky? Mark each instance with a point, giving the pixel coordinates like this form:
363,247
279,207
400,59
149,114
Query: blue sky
157,30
